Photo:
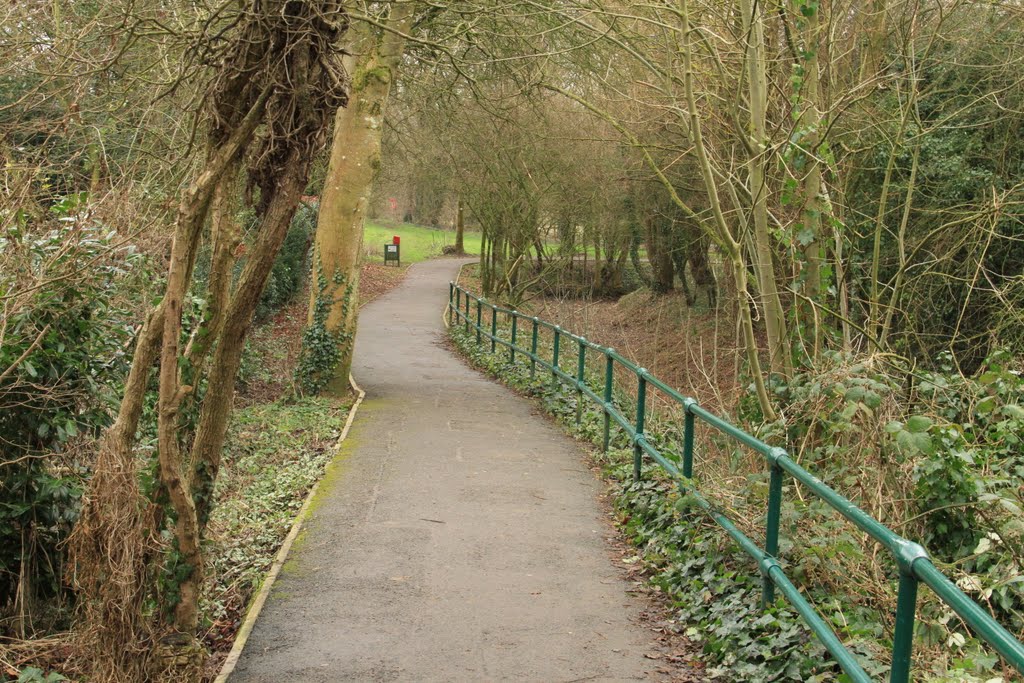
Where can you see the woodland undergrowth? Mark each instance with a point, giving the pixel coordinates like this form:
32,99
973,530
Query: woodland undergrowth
938,461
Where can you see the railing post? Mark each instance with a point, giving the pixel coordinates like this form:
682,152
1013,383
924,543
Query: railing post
451,301
641,413
903,637
774,518
512,347
581,369
494,327
609,377
533,349
688,440
554,356
906,606
479,318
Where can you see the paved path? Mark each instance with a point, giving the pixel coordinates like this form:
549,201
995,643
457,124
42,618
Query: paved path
459,537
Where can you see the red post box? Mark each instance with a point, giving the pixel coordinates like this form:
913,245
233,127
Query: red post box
396,240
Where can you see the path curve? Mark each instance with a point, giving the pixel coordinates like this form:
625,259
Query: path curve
458,537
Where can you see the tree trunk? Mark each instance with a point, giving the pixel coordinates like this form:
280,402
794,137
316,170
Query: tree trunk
213,421
460,228
355,160
725,236
679,258
192,214
873,58
779,357
634,253
659,253
538,247
485,263
810,121
700,268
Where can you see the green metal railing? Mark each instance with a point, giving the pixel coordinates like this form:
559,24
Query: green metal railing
912,560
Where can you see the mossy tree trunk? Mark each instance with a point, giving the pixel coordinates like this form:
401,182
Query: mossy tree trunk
355,160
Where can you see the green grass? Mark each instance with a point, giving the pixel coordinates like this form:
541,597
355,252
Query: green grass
274,454
418,243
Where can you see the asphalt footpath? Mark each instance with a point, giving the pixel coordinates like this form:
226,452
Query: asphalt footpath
459,536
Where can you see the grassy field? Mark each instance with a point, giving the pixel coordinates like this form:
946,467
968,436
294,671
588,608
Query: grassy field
418,243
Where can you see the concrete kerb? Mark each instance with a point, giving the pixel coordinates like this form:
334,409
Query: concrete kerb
282,555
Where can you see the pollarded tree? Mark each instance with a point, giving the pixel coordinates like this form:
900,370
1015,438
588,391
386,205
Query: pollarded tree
267,110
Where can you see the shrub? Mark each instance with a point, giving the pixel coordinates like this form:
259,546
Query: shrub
291,264
66,331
